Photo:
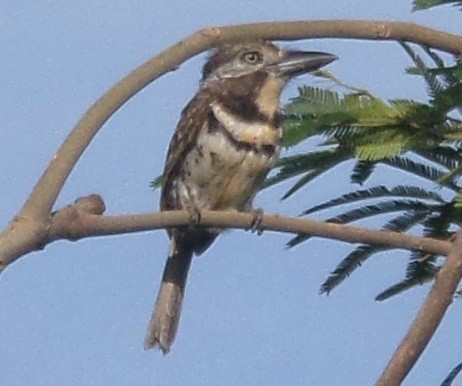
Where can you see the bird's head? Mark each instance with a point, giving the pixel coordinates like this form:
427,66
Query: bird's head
248,77
239,60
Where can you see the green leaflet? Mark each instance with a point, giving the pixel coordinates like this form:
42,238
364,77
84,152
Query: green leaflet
419,5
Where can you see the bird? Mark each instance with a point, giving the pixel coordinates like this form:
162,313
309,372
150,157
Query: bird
227,140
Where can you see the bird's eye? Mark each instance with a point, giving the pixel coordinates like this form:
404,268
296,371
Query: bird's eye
253,57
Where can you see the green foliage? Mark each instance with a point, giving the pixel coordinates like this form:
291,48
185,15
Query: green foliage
422,267
378,192
362,171
452,375
425,4
157,182
310,165
371,128
419,139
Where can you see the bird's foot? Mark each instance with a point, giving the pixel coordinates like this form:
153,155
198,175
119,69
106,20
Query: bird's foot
194,215
256,221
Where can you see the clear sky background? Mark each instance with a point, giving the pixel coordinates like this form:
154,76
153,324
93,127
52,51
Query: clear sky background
76,313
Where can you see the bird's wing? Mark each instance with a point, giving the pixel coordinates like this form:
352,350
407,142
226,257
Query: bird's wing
194,119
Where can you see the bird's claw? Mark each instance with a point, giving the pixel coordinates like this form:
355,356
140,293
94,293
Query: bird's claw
256,221
194,215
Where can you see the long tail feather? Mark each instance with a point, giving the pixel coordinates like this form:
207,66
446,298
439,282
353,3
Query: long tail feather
164,321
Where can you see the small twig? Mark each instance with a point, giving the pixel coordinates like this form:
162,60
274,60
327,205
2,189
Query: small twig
329,76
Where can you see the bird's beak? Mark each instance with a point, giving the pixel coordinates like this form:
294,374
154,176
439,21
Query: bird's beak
300,62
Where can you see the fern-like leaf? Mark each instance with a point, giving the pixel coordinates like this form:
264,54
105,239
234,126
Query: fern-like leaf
354,259
348,265
158,182
310,165
378,192
445,156
419,5
311,175
452,375
314,101
422,267
379,209
362,171
419,169
434,85
402,286
369,211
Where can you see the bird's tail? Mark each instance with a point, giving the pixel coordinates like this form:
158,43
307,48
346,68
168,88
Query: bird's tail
164,321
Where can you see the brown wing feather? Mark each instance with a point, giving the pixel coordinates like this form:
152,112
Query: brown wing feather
193,120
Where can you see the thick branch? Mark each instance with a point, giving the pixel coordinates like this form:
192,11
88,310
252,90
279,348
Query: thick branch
348,29
428,319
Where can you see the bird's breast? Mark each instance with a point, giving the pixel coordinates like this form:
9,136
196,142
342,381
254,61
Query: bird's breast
224,174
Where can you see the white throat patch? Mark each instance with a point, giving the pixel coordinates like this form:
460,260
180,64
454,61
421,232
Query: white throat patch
256,133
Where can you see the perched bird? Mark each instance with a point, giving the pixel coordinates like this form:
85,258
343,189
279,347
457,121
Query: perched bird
227,140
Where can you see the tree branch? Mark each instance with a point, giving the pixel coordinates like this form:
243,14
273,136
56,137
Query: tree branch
345,29
84,219
428,319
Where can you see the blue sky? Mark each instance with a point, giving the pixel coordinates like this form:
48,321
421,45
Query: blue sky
76,313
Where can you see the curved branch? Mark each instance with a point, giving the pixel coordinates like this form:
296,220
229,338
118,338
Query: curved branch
345,29
428,319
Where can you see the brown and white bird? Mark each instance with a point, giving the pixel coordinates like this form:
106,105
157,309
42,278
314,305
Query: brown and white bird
227,140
